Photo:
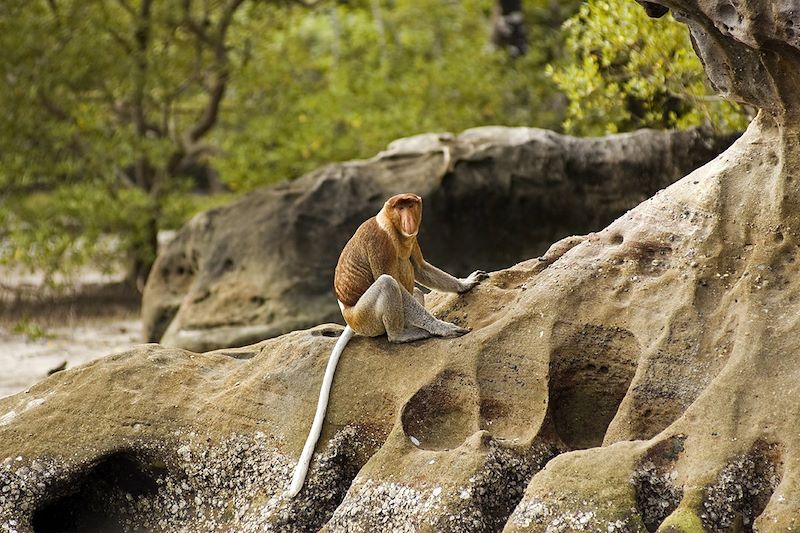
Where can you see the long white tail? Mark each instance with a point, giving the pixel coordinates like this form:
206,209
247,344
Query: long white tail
322,405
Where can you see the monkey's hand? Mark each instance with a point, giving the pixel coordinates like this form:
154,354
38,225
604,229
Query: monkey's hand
473,279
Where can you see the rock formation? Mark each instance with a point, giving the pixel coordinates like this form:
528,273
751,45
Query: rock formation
493,196
642,378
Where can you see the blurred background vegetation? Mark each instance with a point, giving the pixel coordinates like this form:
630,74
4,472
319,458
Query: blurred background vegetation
126,117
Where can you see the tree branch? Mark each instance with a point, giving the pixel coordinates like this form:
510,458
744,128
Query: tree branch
222,73
142,40
54,10
198,29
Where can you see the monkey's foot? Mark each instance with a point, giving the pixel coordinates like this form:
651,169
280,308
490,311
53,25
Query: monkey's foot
448,329
410,334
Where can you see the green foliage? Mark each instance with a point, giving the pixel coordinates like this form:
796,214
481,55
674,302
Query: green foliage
102,101
344,81
32,330
105,138
74,224
624,71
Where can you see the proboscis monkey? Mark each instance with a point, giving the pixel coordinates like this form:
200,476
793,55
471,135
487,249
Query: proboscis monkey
374,283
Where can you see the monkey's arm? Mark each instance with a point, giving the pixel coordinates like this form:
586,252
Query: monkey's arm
429,276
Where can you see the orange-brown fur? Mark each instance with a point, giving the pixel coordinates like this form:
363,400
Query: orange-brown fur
378,247
377,271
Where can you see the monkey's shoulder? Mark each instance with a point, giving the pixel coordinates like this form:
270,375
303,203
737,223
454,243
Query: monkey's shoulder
367,251
371,240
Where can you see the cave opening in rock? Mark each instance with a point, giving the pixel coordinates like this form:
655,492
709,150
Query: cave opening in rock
96,501
329,480
591,368
743,488
657,494
442,414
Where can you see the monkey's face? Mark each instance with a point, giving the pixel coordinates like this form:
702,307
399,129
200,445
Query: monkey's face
405,212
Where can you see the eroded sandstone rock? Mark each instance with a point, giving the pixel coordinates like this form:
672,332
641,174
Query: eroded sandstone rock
667,338
670,339
493,196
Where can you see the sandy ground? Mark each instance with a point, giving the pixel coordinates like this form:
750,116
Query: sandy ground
41,330
24,361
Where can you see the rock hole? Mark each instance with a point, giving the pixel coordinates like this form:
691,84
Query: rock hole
653,480
442,414
496,490
330,333
329,480
778,237
616,238
491,410
743,488
227,264
654,10
652,256
99,499
728,15
583,400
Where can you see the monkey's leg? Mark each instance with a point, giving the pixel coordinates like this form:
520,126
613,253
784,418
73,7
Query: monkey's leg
413,333
416,315
383,304
410,334
419,296
387,307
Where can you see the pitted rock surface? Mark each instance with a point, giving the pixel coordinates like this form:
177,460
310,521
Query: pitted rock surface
676,328
650,366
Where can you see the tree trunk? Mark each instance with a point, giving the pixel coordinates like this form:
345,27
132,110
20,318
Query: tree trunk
144,251
508,28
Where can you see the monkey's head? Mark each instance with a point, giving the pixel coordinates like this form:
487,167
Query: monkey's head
405,212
